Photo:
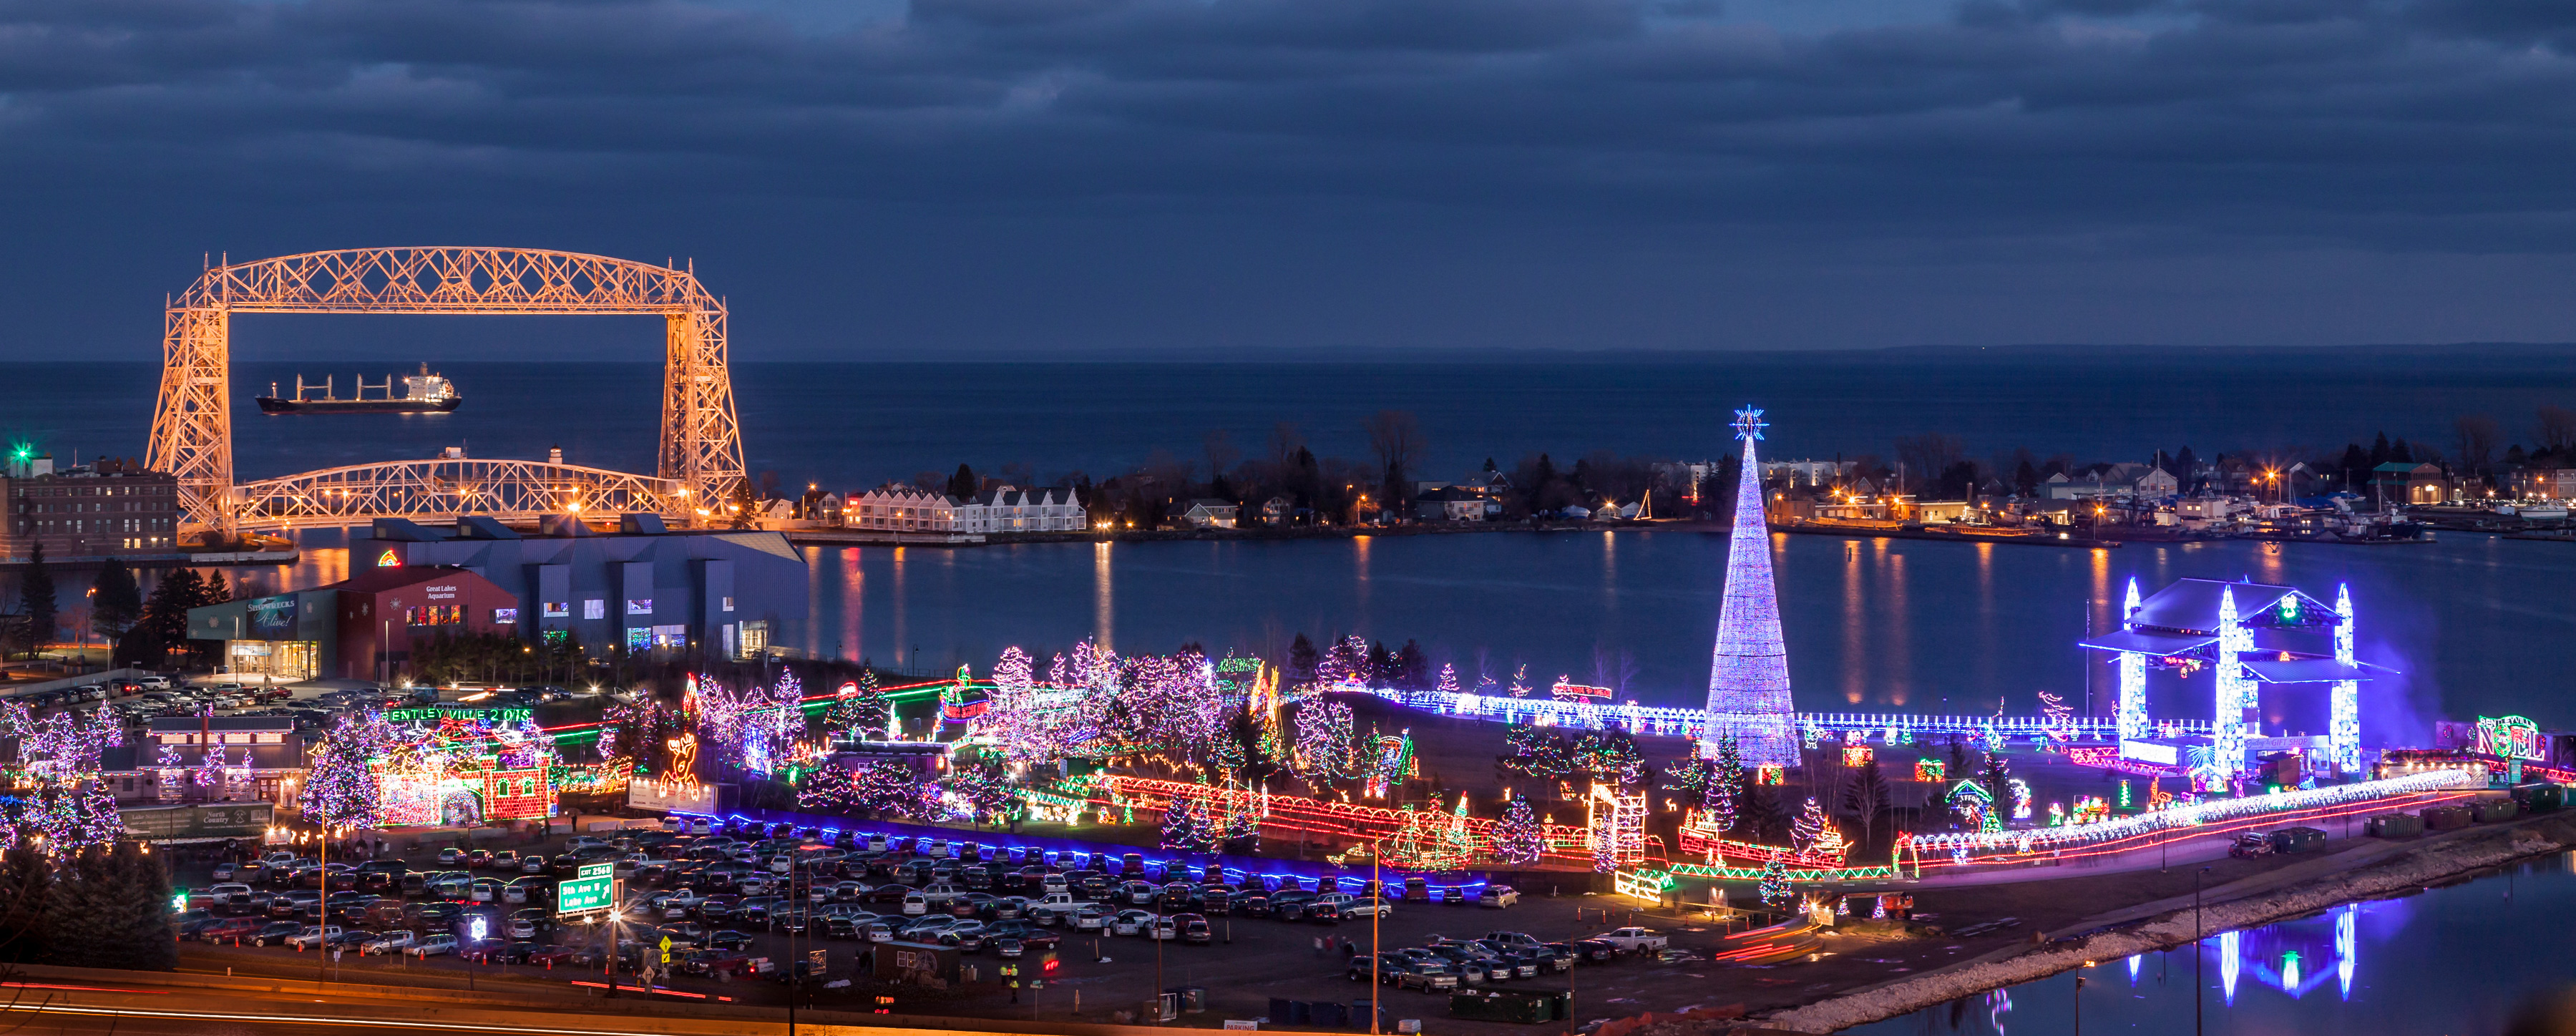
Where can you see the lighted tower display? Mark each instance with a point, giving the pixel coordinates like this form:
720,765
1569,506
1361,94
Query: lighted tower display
2234,692
2133,676
1748,680
2343,733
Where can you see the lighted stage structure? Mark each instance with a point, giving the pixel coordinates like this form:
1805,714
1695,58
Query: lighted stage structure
459,766
2244,636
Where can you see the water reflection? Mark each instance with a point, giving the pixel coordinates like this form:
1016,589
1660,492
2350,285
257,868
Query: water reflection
1870,623
2439,963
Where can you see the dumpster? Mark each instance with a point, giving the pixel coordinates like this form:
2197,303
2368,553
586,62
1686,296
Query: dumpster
2541,798
1193,998
2297,839
2394,825
2490,811
1329,1014
2444,818
1494,1005
1279,1012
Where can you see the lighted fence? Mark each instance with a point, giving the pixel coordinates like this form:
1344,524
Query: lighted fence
1351,823
2216,816
1693,723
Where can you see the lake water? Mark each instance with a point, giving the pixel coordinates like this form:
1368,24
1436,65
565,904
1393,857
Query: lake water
2473,622
2455,961
2477,624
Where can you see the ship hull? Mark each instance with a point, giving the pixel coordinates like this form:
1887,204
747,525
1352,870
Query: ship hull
274,405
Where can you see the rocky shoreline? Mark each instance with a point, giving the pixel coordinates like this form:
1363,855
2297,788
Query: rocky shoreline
2412,869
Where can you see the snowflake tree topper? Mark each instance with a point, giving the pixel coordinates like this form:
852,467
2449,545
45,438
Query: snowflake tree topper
1749,423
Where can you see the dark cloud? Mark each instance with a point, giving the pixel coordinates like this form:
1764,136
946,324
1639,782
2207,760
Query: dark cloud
1264,173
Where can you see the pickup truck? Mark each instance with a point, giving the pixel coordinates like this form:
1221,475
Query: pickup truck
1634,940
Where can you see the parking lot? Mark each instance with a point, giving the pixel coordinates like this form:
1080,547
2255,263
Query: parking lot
737,907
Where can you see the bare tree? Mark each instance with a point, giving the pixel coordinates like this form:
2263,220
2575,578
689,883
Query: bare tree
2476,436
1285,441
1927,455
1221,453
2557,429
1396,437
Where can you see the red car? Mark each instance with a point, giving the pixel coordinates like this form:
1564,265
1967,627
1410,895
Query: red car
231,928
546,956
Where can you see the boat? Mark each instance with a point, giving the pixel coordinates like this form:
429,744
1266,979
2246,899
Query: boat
423,393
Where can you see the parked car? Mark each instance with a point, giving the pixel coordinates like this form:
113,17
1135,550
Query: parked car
1634,940
432,946
385,942
275,932
1498,896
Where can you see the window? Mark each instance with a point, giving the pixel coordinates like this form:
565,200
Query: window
639,606
594,608
505,616
558,609
728,604
435,615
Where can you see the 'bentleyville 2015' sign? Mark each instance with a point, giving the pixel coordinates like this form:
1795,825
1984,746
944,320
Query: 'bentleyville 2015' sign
493,717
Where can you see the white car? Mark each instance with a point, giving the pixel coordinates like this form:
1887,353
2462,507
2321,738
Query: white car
1089,918
1130,922
938,893
1498,896
389,942
1163,928
314,936
915,904
1634,940
432,946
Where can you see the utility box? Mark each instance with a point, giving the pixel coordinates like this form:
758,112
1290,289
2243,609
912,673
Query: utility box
2492,811
1494,1005
916,963
2444,818
2541,798
2297,840
2394,825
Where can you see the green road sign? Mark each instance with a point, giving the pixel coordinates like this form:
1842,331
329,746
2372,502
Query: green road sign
594,890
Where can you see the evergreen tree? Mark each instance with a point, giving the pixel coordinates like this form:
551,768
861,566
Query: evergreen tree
964,485
217,591
1724,794
26,889
36,592
1958,758
1301,662
1519,840
1996,778
1186,828
1764,816
117,604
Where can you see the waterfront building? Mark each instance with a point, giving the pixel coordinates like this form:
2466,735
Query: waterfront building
1748,677
109,509
253,758
900,508
2544,484
2399,482
360,628
644,586
1454,504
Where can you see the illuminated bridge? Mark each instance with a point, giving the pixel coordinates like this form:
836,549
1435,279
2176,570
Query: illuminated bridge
700,453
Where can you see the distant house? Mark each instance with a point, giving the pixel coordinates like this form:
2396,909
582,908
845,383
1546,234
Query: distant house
2545,484
1451,504
820,506
1202,513
1277,510
2397,482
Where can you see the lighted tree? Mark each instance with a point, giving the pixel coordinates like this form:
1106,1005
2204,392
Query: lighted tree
1518,839
859,711
1774,889
1809,826
980,785
1996,779
1724,793
1448,679
1242,832
1326,748
1186,828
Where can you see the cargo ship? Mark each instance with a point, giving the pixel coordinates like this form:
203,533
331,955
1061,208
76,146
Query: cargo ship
423,393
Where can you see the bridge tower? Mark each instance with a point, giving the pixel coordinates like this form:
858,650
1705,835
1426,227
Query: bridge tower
700,455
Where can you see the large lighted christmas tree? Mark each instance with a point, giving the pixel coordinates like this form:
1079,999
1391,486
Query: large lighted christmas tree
1519,839
1748,680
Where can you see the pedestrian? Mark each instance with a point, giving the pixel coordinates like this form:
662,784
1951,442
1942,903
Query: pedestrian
1319,946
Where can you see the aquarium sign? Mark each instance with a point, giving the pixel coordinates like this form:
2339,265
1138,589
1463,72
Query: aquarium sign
558,609
639,606
273,618
505,615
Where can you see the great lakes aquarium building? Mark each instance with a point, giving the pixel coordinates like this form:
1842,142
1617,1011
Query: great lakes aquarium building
643,586
362,627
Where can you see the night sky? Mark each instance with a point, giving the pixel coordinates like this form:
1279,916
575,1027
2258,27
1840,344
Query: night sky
1242,179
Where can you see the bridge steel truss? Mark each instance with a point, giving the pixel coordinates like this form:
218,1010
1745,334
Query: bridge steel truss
509,490
700,456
